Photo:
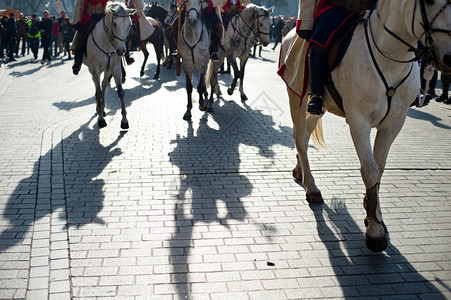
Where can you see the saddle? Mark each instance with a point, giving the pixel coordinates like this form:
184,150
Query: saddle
337,51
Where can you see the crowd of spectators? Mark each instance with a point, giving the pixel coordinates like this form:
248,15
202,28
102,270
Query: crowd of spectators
49,34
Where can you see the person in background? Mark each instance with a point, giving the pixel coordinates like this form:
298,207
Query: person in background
60,34
3,41
278,31
68,34
22,34
34,35
288,26
11,35
54,39
45,27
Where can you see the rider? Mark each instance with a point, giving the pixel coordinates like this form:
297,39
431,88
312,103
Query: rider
231,8
86,15
212,19
320,24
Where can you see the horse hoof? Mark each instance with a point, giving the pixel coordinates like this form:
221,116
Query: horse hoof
102,123
141,74
314,198
124,125
156,77
297,174
243,97
230,91
376,245
187,116
383,224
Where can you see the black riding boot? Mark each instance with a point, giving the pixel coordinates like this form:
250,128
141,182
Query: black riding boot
78,60
318,73
216,38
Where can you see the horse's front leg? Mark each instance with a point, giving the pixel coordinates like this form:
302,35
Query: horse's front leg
146,56
100,104
201,90
302,129
236,76
158,50
376,237
243,62
121,95
189,90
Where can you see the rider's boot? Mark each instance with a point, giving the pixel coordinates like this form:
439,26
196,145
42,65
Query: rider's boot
77,46
318,73
215,42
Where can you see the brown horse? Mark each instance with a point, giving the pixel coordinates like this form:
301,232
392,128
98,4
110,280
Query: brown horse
156,38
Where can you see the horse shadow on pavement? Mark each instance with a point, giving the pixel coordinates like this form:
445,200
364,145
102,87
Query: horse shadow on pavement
359,272
211,184
422,115
84,158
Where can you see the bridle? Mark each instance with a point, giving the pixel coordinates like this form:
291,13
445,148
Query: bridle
423,53
111,37
201,34
257,32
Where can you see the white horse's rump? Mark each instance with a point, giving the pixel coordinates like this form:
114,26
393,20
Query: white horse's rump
239,37
105,47
371,99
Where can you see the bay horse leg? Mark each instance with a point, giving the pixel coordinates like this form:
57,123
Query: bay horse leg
189,90
158,46
302,129
143,47
100,105
375,237
243,62
236,75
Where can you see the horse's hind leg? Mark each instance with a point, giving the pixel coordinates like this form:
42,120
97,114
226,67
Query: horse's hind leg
201,90
302,129
158,51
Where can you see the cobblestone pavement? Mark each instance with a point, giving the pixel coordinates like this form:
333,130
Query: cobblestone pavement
206,209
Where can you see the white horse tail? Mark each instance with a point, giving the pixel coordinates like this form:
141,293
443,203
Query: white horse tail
317,135
209,73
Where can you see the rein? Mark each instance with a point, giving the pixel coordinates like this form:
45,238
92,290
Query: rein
111,38
201,34
419,54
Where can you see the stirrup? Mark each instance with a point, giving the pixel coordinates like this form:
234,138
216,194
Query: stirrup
315,106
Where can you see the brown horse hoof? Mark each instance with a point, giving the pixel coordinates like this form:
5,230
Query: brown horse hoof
315,198
376,245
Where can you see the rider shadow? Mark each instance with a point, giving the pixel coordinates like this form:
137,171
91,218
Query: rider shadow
422,115
363,273
84,158
210,186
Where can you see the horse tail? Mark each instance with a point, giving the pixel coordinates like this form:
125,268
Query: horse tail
209,73
317,135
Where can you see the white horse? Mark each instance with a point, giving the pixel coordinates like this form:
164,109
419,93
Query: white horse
194,45
378,80
105,47
253,22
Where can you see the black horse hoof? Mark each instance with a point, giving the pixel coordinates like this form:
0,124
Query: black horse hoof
141,74
156,77
102,123
376,245
124,125
187,116
230,91
243,97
